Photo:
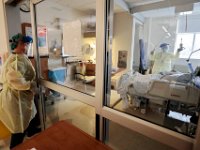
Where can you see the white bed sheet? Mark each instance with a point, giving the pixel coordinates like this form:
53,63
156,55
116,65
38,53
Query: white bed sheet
133,84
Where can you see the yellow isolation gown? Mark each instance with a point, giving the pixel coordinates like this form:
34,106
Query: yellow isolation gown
16,98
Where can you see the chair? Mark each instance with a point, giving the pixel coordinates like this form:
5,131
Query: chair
85,72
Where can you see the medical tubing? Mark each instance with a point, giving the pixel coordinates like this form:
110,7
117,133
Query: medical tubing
190,67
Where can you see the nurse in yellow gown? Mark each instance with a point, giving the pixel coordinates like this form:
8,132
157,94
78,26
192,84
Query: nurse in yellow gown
162,61
17,97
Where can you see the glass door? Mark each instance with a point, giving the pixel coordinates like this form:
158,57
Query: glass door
85,54
148,103
65,43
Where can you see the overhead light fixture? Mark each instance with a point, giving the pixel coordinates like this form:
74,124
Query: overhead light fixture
166,31
163,27
185,13
168,34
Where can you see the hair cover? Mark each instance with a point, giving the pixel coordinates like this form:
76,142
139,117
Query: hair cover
17,38
163,45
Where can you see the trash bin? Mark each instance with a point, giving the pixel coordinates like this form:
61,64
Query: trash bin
57,75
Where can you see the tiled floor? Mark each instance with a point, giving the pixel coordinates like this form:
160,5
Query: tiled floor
75,112
83,116
66,108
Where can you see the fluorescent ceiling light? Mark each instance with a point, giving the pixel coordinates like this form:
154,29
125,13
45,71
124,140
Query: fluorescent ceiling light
186,13
163,27
166,31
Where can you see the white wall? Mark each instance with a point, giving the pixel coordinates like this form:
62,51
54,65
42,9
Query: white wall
122,37
136,53
25,17
147,32
138,34
4,45
13,20
47,11
3,26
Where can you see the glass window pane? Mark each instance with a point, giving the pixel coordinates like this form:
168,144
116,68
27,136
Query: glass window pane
196,46
121,138
187,40
63,107
67,43
163,97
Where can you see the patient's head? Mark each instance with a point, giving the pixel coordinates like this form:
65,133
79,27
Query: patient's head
164,47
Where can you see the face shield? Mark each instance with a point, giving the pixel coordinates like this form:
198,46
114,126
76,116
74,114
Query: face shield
28,49
164,47
28,45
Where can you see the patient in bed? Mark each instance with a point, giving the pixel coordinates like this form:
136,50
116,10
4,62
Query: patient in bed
134,83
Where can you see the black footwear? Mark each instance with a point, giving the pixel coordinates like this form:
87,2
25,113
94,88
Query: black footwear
33,132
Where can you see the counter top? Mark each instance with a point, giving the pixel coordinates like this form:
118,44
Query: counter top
62,136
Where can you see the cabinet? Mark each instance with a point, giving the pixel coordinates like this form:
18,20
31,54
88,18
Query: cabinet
89,69
44,65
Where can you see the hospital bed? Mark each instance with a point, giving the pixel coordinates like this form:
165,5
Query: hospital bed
166,90
154,87
158,95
